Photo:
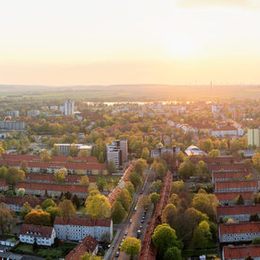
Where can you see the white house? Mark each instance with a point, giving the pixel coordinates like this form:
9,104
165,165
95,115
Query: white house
42,235
77,229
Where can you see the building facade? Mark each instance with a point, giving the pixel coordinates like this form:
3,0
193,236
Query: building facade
69,107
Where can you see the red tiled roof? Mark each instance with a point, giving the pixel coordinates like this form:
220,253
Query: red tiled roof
3,183
239,228
217,160
225,128
53,187
104,222
237,210
236,184
241,252
230,175
33,201
36,231
232,195
88,244
228,167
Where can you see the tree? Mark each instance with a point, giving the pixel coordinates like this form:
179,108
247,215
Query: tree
160,170
136,179
75,200
88,256
164,237
3,172
60,175
48,203
154,197
83,154
55,151
98,206
180,156
205,145
254,217
84,180
131,246
169,214
214,153
111,167
202,235
6,218
26,208
187,169
38,217
92,187
145,154
173,253
125,198
101,182
174,199
256,161
14,175
73,150
144,201
156,186
130,187
239,200
20,192
202,169
66,208
118,212
45,156
54,211
256,241
140,166
24,166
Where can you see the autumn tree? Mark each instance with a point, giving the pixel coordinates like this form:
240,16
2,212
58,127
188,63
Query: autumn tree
144,201
136,179
145,154
140,166
214,153
174,199
111,167
38,217
26,208
256,161
154,197
6,218
118,212
202,235
67,208
187,169
125,198
60,175
48,203
130,187
54,211
156,186
98,206
173,253
131,246
88,256
45,156
14,175
169,214
84,180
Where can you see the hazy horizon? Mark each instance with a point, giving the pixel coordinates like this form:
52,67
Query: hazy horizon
136,42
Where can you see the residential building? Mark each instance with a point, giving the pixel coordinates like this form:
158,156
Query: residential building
239,213
253,137
241,252
117,152
64,149
228,176
234,167
42,235
12,125
237,186
161,151
216,108
224,131
227,198
69,107
88,244
33,112
76,229
12,113
238,232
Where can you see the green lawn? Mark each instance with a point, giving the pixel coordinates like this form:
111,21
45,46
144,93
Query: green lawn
24,249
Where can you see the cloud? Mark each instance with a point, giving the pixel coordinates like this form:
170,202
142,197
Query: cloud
227,3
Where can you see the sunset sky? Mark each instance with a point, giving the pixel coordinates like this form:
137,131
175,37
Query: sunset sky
65,42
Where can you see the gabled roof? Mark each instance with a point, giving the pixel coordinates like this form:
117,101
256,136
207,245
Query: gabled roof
236,184
241,252
238,209
239,228
36,230
103,222
232,195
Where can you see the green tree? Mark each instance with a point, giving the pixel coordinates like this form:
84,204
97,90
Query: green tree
88,256
187,169
55,151
75,200
202,235
205,145
154,197
130,187
173,253
14,175
256,241
140,166
111,167
54,211
175,200
169,214
164,237
144,201
67,208
180,156
136,179
73,150
131,246
239,200
3,172
26,208
156,186
145,154
118,212
48,203
125,198
20,192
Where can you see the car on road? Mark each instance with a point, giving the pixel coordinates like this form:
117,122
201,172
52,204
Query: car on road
139,232
126,233
117,254
142,221
141,227
130,221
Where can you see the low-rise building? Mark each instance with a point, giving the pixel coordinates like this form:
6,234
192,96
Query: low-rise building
240,213
237,186
228,176
238,232
33,112
241,252
224,131
64,149
42,235
89,244
77,229
227,198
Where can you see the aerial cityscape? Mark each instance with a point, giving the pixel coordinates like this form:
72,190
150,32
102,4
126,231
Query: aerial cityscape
130,130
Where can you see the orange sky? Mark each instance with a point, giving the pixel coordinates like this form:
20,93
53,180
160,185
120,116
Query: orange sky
65,42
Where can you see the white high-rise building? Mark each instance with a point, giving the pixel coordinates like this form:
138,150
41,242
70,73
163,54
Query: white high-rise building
69,107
